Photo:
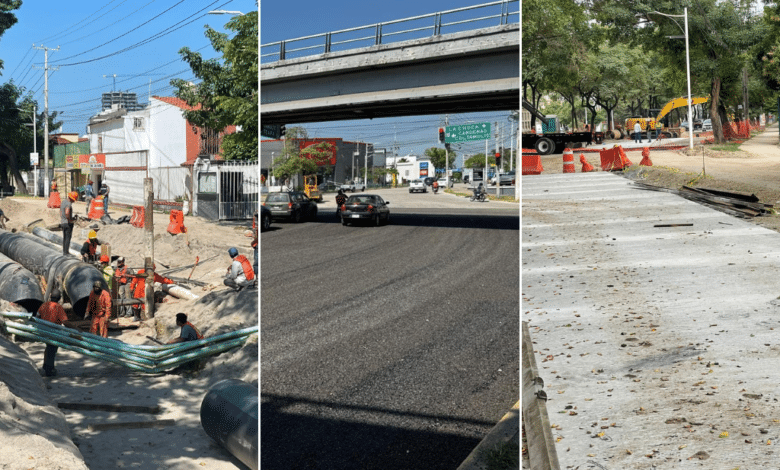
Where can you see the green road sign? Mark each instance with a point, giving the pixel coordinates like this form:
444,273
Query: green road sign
467,132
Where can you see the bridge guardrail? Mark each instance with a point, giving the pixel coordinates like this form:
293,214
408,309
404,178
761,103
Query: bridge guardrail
449,20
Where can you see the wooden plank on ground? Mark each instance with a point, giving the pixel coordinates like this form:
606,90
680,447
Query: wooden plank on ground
132,425
108,407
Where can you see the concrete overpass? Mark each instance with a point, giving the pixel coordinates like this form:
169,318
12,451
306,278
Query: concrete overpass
469,71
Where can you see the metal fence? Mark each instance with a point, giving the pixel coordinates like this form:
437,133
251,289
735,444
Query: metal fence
416,27
227,190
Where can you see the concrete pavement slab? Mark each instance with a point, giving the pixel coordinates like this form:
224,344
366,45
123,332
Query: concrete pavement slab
657,340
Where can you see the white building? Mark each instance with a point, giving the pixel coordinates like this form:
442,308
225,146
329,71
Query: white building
411,167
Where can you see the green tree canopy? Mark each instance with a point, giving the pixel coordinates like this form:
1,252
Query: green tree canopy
438,157
228,88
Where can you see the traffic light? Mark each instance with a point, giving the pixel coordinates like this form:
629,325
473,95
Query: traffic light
498,160
282,130
441,135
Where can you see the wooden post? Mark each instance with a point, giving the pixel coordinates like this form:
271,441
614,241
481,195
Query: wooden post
149,248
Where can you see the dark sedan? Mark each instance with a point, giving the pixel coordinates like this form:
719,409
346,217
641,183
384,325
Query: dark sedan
292,205
365,207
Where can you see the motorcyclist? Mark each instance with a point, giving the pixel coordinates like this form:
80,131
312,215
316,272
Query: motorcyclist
435,186
341,198
479,191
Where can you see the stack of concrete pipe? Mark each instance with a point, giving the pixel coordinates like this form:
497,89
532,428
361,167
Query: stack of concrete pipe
77,277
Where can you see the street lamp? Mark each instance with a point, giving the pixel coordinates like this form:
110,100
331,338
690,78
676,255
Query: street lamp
687,65
225,12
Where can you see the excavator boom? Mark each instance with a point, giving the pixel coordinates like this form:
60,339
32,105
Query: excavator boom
678,102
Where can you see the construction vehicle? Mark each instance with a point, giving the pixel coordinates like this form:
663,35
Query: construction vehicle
552,140
655,122
311,189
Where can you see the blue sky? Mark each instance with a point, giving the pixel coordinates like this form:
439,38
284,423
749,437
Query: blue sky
288,20
91,35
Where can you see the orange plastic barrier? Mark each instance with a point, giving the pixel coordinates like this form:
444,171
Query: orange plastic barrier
137,219
586,167
568,161
614,159
646,157
96,209
532,165
54,200
176,224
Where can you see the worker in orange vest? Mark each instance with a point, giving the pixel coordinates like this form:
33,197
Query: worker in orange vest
99,308
138,288
122,278
240,273
89,248
52,311
188,330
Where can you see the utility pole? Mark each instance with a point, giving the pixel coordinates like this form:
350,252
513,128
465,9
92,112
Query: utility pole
446,154
46,116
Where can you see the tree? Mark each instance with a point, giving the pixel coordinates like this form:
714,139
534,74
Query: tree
478,161
228,91
295,160
438,157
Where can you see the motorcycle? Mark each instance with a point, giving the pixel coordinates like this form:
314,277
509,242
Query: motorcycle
478,196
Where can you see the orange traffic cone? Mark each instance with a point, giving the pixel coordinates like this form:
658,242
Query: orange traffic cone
646,157
568,161
586,167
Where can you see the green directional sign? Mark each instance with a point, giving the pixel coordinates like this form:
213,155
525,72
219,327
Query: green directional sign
467,132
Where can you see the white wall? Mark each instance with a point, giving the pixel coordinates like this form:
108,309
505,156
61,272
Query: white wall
167,135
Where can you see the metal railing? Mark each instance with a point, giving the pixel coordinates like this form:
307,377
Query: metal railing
449,21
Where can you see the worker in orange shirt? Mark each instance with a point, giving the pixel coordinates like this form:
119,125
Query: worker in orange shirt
99,308
138,288
52,311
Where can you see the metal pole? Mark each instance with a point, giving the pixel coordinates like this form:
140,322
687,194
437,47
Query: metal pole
365,169
688,69
46,123
149,248
446,154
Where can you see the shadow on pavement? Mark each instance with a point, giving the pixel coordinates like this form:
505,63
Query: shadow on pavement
290,440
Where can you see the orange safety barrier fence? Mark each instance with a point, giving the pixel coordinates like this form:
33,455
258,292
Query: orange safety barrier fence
54,200
137,219
532,165
176,224
96,208
614,159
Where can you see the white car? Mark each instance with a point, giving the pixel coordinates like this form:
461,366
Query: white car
417,185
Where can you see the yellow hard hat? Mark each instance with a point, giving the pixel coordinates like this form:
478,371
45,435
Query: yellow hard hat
92,234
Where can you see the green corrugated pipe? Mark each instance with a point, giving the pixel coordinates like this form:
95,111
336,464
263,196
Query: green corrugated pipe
137,357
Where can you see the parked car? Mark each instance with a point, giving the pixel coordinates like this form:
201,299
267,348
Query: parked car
365,207
505,178
353,187
265,218
697,124
417,185
292,205
443,183
706,125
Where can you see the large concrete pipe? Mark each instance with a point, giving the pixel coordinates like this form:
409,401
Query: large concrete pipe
74,247
76,275
19,285
179,292
228,414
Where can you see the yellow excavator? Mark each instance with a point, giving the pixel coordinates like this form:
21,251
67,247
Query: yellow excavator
655,123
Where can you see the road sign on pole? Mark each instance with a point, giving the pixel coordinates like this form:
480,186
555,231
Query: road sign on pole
467,132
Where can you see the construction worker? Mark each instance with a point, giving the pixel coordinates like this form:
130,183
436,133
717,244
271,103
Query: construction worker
240,273
67,220
104,190
108,271
138,288
122,278
89,194
89,248
99,309
3,219
188,330
52,311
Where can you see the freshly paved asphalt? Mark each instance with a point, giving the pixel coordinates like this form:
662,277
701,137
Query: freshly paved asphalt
655,321
390,347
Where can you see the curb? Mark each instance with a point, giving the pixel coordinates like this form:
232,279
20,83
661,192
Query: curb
506,430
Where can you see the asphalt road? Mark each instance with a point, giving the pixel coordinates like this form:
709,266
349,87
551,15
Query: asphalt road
390,347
